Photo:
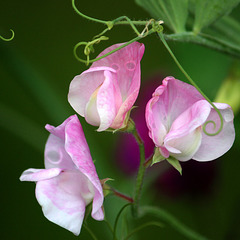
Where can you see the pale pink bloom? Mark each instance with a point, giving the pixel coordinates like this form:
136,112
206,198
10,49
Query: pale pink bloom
69,182
108,89
175,116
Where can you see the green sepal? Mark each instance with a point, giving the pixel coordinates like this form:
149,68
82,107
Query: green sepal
175,163
106,188
157,157
127,125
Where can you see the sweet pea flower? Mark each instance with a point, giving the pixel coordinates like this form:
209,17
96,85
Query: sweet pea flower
175,116
69,181
106,92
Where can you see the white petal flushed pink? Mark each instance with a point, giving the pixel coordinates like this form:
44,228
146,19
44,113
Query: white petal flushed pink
69,181
105,93
175,116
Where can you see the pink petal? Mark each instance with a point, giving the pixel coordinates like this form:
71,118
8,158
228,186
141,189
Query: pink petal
34,175
155,120
76,146
126,62
169,100
213,147
55,154
184,147
184,137
63,199
108,101
59,131
83,86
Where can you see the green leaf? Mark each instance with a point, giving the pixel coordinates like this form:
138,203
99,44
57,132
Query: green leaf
172,221
175,163
208,11
173,12
157,157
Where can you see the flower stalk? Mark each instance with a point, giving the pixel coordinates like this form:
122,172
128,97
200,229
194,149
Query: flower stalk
141,169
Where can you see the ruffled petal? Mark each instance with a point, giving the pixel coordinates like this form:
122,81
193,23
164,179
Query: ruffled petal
83,86
126,63
34,175
184,147
184,137
175,97
213,147
76,146
108,99
62,199
55,155
157,128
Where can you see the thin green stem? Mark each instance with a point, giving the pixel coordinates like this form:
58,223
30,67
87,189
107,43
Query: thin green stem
109,226
8,39
90,232
141,169
129,21
141,227
195,85
87,17
117,219
140,23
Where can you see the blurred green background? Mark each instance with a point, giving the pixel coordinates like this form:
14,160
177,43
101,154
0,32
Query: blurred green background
35,71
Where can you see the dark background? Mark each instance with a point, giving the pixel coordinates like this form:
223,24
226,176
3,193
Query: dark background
35,71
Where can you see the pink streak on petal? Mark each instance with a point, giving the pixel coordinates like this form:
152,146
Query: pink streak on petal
157,129
125,58
77,148
61,202
126,61
213,147
34,175
184,137
55,154
168,101
82,87
108,99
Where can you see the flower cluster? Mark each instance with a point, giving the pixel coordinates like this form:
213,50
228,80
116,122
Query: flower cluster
104,95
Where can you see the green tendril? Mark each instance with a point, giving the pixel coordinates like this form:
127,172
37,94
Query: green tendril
156,27
87,17
8,39
89,45
195,85
129,21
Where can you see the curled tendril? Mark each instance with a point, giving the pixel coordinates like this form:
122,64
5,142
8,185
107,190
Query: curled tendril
214,124
89,45
196,86
156,27
8,39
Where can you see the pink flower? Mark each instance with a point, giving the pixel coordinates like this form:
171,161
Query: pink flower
106,92
69,182
175,117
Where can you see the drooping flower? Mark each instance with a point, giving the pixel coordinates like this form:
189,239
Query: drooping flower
175,116
69,181
106,92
